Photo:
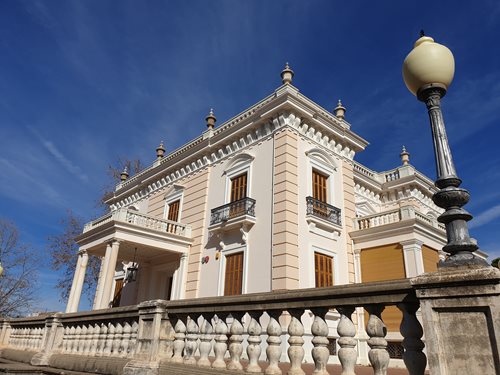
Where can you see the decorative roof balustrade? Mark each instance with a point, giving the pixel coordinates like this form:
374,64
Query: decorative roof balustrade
394,216
323,210
141,220
242,207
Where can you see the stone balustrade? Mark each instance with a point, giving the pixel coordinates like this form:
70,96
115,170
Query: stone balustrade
253,333
141,220
394,216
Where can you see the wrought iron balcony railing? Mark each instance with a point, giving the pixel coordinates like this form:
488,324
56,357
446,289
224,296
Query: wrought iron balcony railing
245,206
323,210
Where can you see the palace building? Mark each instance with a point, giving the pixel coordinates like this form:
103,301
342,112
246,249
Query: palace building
270,200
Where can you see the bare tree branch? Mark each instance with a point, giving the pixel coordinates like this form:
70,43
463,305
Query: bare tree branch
18,282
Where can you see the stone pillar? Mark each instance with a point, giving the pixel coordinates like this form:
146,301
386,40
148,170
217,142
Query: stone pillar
100,281
155,337
51,339
180,287
144,279
412,252
5,333
78,285
109,274
71,297
461,318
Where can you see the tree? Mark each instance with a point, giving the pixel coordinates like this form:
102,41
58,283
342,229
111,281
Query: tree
64,252
64,249
18,282
495,262
114,175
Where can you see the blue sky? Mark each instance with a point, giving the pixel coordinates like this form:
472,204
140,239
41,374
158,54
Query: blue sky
85,82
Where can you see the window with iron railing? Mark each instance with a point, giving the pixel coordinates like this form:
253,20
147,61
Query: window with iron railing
323,210
245,206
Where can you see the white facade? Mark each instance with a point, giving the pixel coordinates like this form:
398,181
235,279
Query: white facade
278,143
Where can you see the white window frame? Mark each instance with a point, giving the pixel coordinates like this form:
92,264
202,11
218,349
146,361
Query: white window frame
315,164
222,269
243,164
330,253
176,194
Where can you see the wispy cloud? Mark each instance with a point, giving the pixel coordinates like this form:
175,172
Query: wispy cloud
72,168
485,217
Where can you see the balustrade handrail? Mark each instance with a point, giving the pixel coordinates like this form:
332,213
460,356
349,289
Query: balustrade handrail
355,295
130,216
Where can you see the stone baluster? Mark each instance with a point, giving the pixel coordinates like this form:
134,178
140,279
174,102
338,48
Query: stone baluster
320,352
296,340
375,328
220,346
133,337
206,337
127,334
65,341
30,337
413,356
40,337
25,338
346,330
273,350
192,337
94,344
179,341
117,340
103,334
77,347
72,339
108,342
84,340
253,349
235,340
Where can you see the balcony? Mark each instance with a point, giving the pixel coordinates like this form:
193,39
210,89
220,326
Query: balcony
323,218
151,235
240,213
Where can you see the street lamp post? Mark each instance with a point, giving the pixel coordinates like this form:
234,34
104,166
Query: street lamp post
427,72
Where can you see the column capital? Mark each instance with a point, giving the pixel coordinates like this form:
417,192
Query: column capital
184,256
83,252
411,242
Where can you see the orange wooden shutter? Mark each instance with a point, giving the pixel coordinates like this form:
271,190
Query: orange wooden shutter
319,186
173,210
239,187
323,265
118,292
234,274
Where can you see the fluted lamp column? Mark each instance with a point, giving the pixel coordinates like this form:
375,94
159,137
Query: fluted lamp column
427,72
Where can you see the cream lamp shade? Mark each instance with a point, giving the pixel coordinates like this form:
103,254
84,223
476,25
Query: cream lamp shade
428,63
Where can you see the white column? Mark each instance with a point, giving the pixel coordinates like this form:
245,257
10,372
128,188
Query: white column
102,278
109,275
412,252
73,285
80,280
357,265
181,277
144,281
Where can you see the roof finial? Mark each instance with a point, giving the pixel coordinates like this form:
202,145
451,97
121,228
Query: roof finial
160,150
339,110
422,33
287,74
124,174
405,156
211,119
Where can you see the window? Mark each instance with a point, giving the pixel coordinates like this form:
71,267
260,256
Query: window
173,210
118,293
319,181
238,192
238,187
234,274
323,269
